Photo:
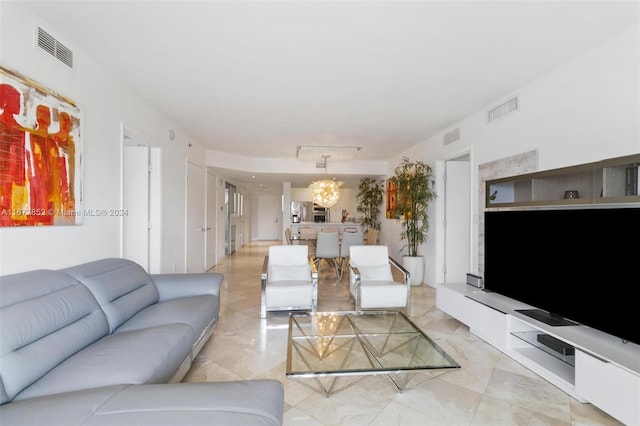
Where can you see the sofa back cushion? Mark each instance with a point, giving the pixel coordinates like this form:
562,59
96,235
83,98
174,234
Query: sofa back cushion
121,287
45,317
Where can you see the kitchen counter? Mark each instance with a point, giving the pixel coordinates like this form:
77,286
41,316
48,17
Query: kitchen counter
341,226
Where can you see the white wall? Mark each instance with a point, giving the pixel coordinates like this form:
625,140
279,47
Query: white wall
584,111
106,104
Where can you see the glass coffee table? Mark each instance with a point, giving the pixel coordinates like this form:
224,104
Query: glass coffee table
334,344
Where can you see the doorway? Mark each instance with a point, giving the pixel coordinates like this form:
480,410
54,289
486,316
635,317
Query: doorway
211,231
195,219
141,201
268,225
455,245
229,212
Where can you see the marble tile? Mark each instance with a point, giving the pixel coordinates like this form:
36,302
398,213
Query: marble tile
489,389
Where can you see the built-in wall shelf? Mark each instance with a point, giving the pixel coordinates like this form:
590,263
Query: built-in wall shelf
615,180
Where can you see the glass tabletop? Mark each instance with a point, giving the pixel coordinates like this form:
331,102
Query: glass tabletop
371,342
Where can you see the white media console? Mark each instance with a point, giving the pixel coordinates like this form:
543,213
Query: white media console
589,365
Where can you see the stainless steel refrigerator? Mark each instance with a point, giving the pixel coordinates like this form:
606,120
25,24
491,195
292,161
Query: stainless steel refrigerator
301,211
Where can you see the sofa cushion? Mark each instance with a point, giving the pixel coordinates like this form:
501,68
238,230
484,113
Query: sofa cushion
141,356
175,286
251,402
198,312
122,287
46,316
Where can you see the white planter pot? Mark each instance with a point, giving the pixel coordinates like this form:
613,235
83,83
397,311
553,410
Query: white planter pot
415,266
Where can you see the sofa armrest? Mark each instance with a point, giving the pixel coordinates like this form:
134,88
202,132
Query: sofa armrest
174,286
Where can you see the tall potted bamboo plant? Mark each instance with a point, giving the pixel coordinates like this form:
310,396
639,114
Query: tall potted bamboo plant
370,196
414,183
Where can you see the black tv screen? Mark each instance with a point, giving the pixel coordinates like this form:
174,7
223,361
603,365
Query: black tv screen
579,264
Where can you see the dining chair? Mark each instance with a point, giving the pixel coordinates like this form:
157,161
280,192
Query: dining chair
328,248
371,281
289,280
349,239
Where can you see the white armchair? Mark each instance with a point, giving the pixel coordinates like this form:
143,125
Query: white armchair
289,280
371,279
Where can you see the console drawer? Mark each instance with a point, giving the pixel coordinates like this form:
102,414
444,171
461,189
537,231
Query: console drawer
608,387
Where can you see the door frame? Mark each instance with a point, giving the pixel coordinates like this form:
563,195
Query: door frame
211,220
132,137
465,154
202,171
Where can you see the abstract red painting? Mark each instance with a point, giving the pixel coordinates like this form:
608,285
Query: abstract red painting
40,155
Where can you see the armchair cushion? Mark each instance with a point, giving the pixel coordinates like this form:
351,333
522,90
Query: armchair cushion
385,294
289,293
289,272
375,272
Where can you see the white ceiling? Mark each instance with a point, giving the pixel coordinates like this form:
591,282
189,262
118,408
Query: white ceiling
258,79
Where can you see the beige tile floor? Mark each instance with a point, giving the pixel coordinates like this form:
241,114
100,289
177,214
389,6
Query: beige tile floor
489,389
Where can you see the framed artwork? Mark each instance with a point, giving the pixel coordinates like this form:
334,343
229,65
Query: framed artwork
392,199
40,155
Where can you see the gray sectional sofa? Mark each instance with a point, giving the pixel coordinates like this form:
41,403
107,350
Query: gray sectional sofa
104,343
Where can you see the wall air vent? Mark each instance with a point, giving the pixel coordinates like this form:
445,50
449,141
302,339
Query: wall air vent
452,136
49,44
503,109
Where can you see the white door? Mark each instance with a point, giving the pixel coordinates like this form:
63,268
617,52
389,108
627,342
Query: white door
457,235
269,213
195,220
135,224
211,233
221,221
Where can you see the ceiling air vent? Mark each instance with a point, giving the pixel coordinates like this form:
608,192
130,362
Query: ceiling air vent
49,44
452,136
503,109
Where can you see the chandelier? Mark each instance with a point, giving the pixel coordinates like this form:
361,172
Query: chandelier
325,192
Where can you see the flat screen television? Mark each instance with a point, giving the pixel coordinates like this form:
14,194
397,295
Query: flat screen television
581,264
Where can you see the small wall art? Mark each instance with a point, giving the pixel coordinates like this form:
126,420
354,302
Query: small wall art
392,200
